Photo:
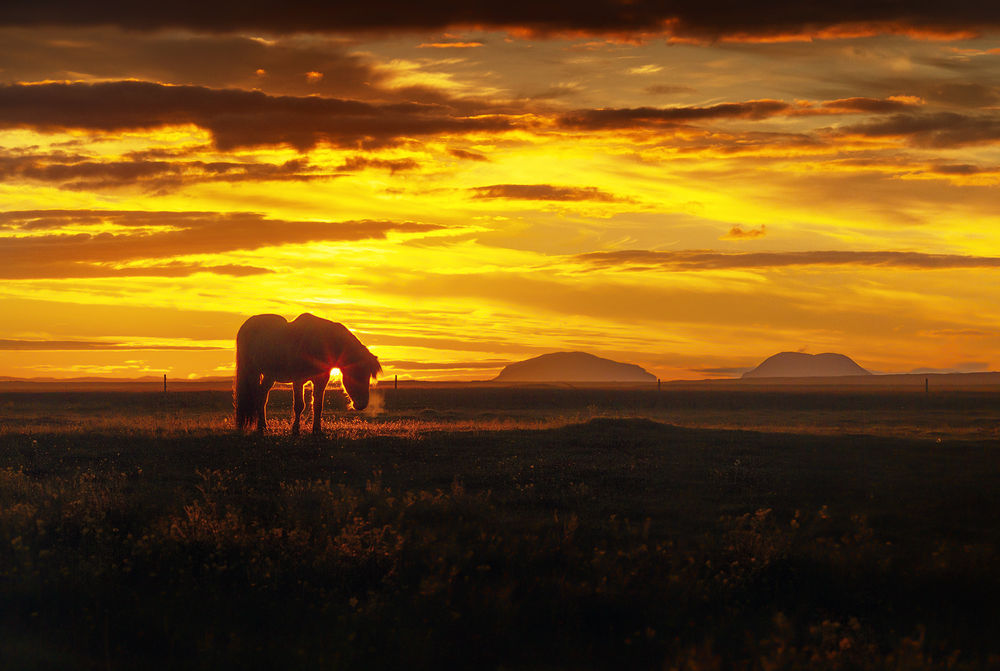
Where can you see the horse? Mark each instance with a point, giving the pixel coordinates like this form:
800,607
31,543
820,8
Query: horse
271,349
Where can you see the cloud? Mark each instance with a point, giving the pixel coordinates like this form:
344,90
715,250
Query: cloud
964,94
776,19
667,89
960,367
543,192
459,365
467,155
869,105
936,130
637,117
81,269
711,260
92,345
235,118
276,66
737,233
450,45
355,163
616,118
159,235
83,173
964,333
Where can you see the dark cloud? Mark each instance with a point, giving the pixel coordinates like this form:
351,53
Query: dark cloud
89,345
76,172
681,17
963,94
711,260
937,130
356,163
235,118
614,118
737,232
81,269
542,192
635,117
159,236
667,89
467,155
174,57
958,169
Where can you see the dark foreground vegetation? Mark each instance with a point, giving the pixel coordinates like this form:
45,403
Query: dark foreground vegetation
610,542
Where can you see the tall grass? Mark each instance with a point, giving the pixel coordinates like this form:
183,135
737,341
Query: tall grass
402,542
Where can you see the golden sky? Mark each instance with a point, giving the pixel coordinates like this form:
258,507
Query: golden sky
657,183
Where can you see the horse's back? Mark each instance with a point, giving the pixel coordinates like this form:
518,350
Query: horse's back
261,324
311,323
258,340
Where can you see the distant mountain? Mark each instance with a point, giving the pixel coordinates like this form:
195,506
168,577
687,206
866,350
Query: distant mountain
573,367
799,364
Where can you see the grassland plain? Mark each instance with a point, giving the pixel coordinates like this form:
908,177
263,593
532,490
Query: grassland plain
503,528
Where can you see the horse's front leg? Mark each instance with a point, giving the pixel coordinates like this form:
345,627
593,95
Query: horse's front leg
265,388
319,387
298,403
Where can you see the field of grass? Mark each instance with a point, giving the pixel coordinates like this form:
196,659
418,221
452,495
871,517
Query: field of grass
503,528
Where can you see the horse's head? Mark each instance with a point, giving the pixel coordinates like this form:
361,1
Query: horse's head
357,377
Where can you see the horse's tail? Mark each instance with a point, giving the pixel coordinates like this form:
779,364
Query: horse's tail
246,386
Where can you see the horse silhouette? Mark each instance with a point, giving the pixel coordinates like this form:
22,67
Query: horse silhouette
271,349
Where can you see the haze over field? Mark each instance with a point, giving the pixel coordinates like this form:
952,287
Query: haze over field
690,191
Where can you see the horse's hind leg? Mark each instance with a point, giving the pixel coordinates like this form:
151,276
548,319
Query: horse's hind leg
265,388
299,403
319,386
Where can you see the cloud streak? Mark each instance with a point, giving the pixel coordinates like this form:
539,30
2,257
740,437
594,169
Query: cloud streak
30,250
937,130
639,117
235,118
711,260
94,345
542,192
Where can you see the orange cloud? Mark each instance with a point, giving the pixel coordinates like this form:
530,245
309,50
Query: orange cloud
450,45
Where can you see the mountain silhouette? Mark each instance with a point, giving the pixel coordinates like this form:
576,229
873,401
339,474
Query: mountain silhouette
799,364
572,367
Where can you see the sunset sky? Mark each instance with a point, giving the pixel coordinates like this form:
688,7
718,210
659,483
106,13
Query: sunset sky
687,186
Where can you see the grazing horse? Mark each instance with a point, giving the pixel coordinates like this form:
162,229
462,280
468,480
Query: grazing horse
271,349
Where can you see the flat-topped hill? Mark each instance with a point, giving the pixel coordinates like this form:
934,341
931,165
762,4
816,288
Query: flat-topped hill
799,364
573,367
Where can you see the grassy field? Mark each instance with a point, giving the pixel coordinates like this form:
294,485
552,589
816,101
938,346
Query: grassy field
505,529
